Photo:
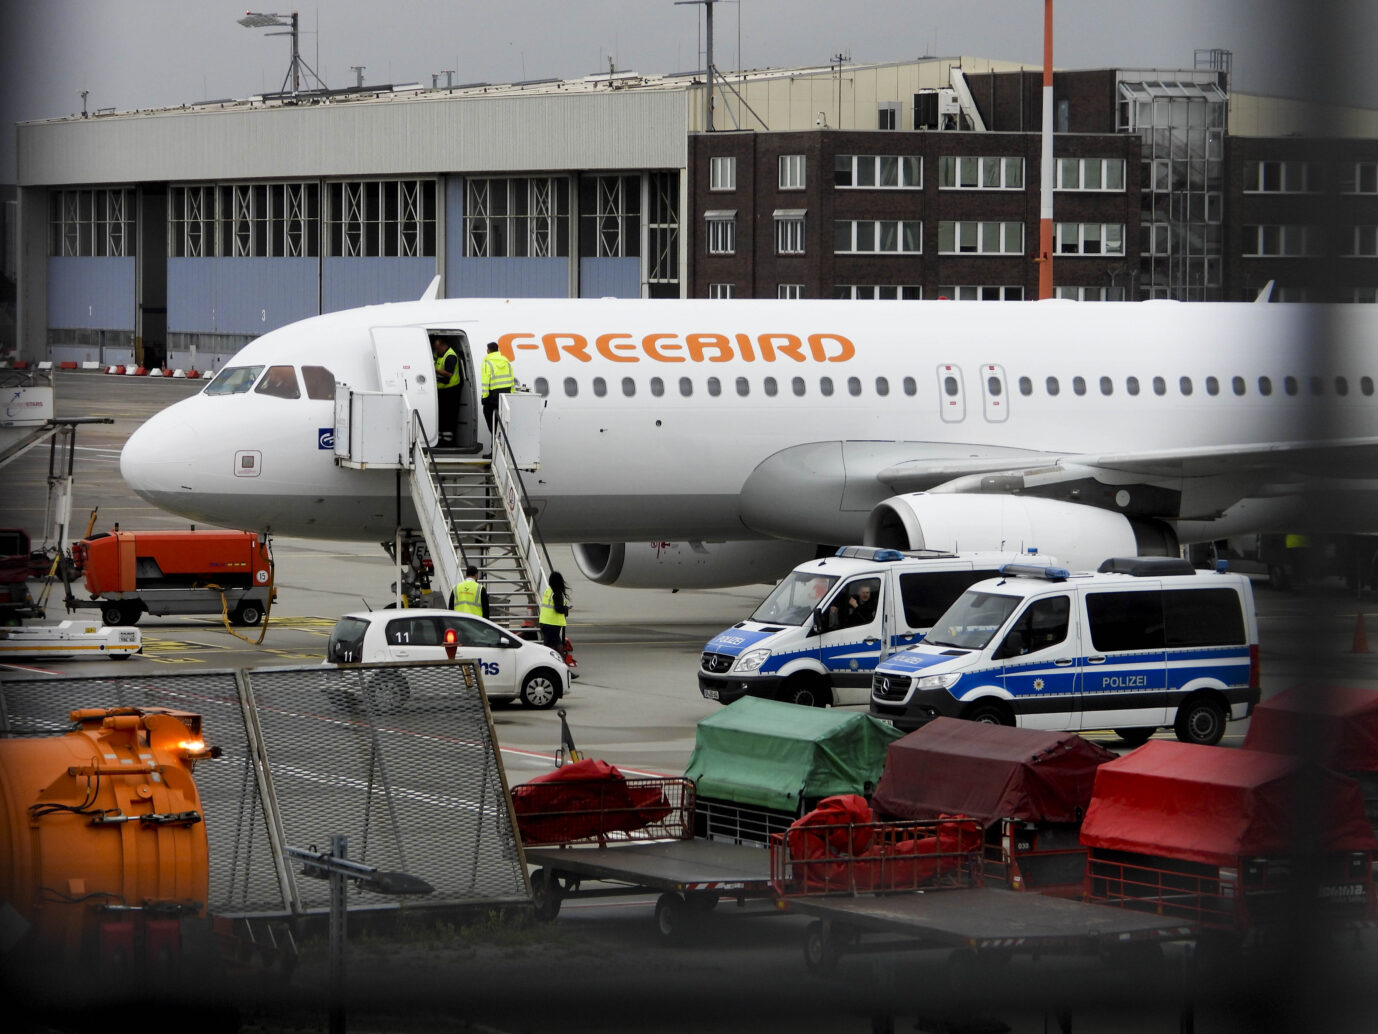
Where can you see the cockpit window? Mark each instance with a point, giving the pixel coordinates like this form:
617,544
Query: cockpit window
233,380
320,382
280,382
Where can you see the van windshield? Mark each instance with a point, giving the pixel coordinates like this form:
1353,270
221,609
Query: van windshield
971,622
794,599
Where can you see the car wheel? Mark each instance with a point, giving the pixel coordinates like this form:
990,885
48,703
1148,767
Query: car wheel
387,692
1202,721
988,714
540,689
247,614
1135,737
806,692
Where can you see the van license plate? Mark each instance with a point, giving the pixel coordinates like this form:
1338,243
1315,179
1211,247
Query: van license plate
710,694
883,721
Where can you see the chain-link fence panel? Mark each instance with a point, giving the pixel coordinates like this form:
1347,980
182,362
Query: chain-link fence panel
402,760
244,870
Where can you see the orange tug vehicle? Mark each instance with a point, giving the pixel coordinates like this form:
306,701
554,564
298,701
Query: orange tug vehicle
103,834
128,573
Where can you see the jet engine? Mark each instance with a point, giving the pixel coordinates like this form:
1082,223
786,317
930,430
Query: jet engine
1080,536
689,565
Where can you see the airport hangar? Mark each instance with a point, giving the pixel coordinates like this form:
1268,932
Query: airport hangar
173,237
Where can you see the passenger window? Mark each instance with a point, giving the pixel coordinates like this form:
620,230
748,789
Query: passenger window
950,386
854,386
1184,385
474,633
1107,386
1316,386
686,387
413,632
1079,385
1025,386
1237,384
714,387
1212,385
1159,386
571,387
799,386
993,387
320,382
1131,385
1366,385
1052,386
600,387
628,387
1341,386
279,382
542,386
743,387
1125,620
855,604
882,387
657,387
911,386
1265,385
825,386
769,386
1042,625
1289,385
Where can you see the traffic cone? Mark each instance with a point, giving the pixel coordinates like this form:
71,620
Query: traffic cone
1360,635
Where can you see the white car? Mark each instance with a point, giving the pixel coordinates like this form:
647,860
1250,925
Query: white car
511,667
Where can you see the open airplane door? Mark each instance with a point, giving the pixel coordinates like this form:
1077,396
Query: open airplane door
406,368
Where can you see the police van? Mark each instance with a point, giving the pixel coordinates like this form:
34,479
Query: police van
818,636
1144,642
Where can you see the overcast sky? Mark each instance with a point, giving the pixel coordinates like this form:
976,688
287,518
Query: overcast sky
158,53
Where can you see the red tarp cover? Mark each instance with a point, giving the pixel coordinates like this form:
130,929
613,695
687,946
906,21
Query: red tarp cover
1334,725
1215,805
990,772
585,799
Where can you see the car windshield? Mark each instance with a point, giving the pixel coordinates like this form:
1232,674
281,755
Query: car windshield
971,622
793,600
346,644
233,380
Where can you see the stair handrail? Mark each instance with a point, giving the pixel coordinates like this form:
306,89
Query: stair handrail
532,552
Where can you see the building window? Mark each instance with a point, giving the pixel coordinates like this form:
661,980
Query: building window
877,172
789,231
789,292
722,173
379,218
1106,174
1282,177
980,173
1089,238
791,172
662,234
191,218
980,238
1276,241
1359,178
1363,242
719,291
520,217
982,292
610,213
878,292
722,232
877,236
95,223
1090,294
888,115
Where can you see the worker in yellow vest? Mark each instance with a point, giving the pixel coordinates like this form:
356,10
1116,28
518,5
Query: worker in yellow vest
554,608
447,383
470,596
496,379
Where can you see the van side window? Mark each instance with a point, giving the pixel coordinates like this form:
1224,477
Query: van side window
855,605
926,594
1043,624
413,632
1202,617
1125,620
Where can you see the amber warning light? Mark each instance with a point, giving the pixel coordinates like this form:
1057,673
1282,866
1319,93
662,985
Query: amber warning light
450,643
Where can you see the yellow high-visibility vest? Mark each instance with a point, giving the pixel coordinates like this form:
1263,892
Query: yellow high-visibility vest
467,599
442,378
549,615
497,373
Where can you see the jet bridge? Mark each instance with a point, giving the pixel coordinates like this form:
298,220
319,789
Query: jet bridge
471,510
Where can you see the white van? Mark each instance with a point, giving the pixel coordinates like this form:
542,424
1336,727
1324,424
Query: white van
1143,643
818,636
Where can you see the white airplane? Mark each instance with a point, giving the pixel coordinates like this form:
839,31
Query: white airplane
710,428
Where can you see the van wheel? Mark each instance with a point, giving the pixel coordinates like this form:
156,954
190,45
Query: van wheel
247,614
1201,720
805,691
1135,737
989,714
120,613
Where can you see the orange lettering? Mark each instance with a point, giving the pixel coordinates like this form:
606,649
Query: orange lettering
818,344
699,344
578,346
744,346
608,347
789,345
652,344
509,343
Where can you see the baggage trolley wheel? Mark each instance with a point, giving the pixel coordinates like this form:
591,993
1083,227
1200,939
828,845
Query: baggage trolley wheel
673,917
546,894
821,949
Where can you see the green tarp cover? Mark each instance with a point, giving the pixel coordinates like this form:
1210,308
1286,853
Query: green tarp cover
773,755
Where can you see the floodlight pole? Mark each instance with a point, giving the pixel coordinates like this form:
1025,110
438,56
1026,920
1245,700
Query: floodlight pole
266,20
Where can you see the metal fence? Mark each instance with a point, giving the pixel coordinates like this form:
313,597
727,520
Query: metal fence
401,759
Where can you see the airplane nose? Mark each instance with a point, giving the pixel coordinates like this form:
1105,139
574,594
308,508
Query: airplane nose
156,461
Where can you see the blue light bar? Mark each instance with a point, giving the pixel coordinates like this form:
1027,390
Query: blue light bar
1050,574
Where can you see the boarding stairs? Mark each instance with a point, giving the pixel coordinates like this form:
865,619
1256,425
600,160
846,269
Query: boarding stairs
470,509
